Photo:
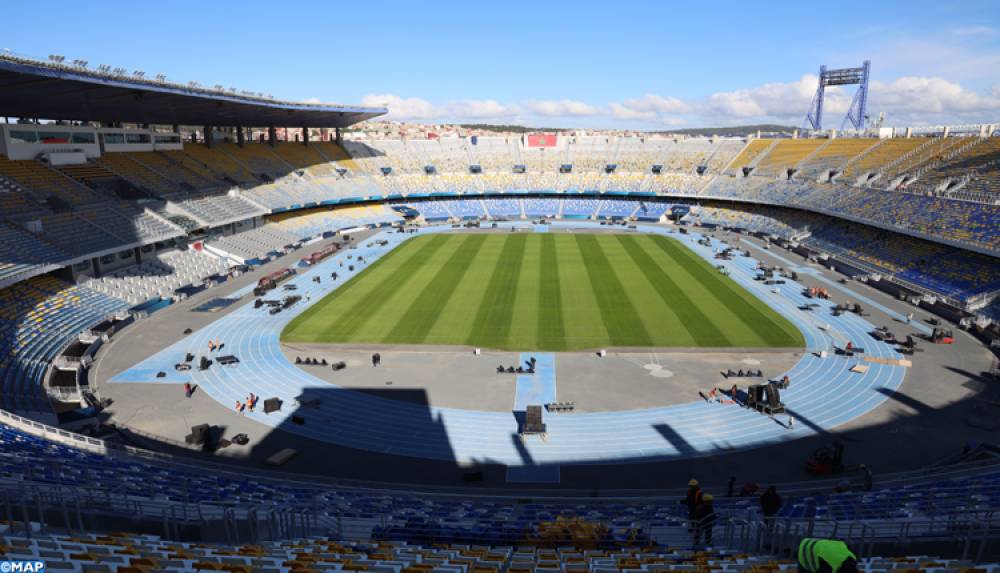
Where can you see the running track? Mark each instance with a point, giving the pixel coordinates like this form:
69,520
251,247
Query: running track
823,394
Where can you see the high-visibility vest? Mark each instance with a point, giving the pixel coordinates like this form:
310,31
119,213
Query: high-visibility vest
829,550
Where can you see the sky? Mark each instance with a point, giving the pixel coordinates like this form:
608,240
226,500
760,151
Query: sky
611,64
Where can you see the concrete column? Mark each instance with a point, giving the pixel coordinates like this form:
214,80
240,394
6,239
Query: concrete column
177,128
240,137
272,136
209,135
305,136
340,137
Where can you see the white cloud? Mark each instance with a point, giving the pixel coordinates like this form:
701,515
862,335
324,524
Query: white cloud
402,108
415,108
775,100
621,111
916,97
478,109
561,108
911,100
659,104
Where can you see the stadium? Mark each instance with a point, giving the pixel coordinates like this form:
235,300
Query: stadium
240,335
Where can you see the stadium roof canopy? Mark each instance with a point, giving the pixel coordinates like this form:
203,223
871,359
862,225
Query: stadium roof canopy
47,90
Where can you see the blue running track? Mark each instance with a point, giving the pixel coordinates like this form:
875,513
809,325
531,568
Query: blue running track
823,395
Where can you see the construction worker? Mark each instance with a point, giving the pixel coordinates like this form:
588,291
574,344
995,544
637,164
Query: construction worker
826,556
693,498
704,520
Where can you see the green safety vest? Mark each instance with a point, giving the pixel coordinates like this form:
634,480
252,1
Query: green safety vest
833,552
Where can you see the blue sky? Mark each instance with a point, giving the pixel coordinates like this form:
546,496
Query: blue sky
643,65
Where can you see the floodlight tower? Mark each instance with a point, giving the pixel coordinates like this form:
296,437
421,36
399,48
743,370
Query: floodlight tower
841,77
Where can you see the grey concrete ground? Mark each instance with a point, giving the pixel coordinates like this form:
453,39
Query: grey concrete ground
456,378
918,425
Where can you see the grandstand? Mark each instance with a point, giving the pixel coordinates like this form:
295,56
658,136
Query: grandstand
128,251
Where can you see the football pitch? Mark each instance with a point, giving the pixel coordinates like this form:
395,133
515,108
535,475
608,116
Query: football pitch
543,291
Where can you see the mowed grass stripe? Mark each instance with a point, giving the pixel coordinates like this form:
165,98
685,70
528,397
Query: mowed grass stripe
698,324
368,307
454,324
738,333
766,324
403,299
492,322
582,322
356,292
620,317
551,333
414,325
523,333
662,324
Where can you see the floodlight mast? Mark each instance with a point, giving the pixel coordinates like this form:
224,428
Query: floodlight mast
845,76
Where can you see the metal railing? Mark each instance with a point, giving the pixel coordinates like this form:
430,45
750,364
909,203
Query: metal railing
967,536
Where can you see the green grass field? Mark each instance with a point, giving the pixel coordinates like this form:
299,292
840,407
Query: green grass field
545,291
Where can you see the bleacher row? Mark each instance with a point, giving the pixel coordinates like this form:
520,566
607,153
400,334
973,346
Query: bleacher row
137,553
370,513
157,278
516,208
931,266
971,223
38,318
213,186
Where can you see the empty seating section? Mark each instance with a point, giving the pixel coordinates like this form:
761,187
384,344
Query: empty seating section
44,181
301,156
76,235
93,175
926,155
617,209
467,208
432,210
218,209
255,243
833,156
505,208
38,317
748,155
980,162
579,208
773,221
220,163
725,151
542,548
318,223
542,207
183,178
138,174
14,202
157,277
20,251
130,224
649,211
259,158
211,177
527,531
686,155
972,223
786,155
887,151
